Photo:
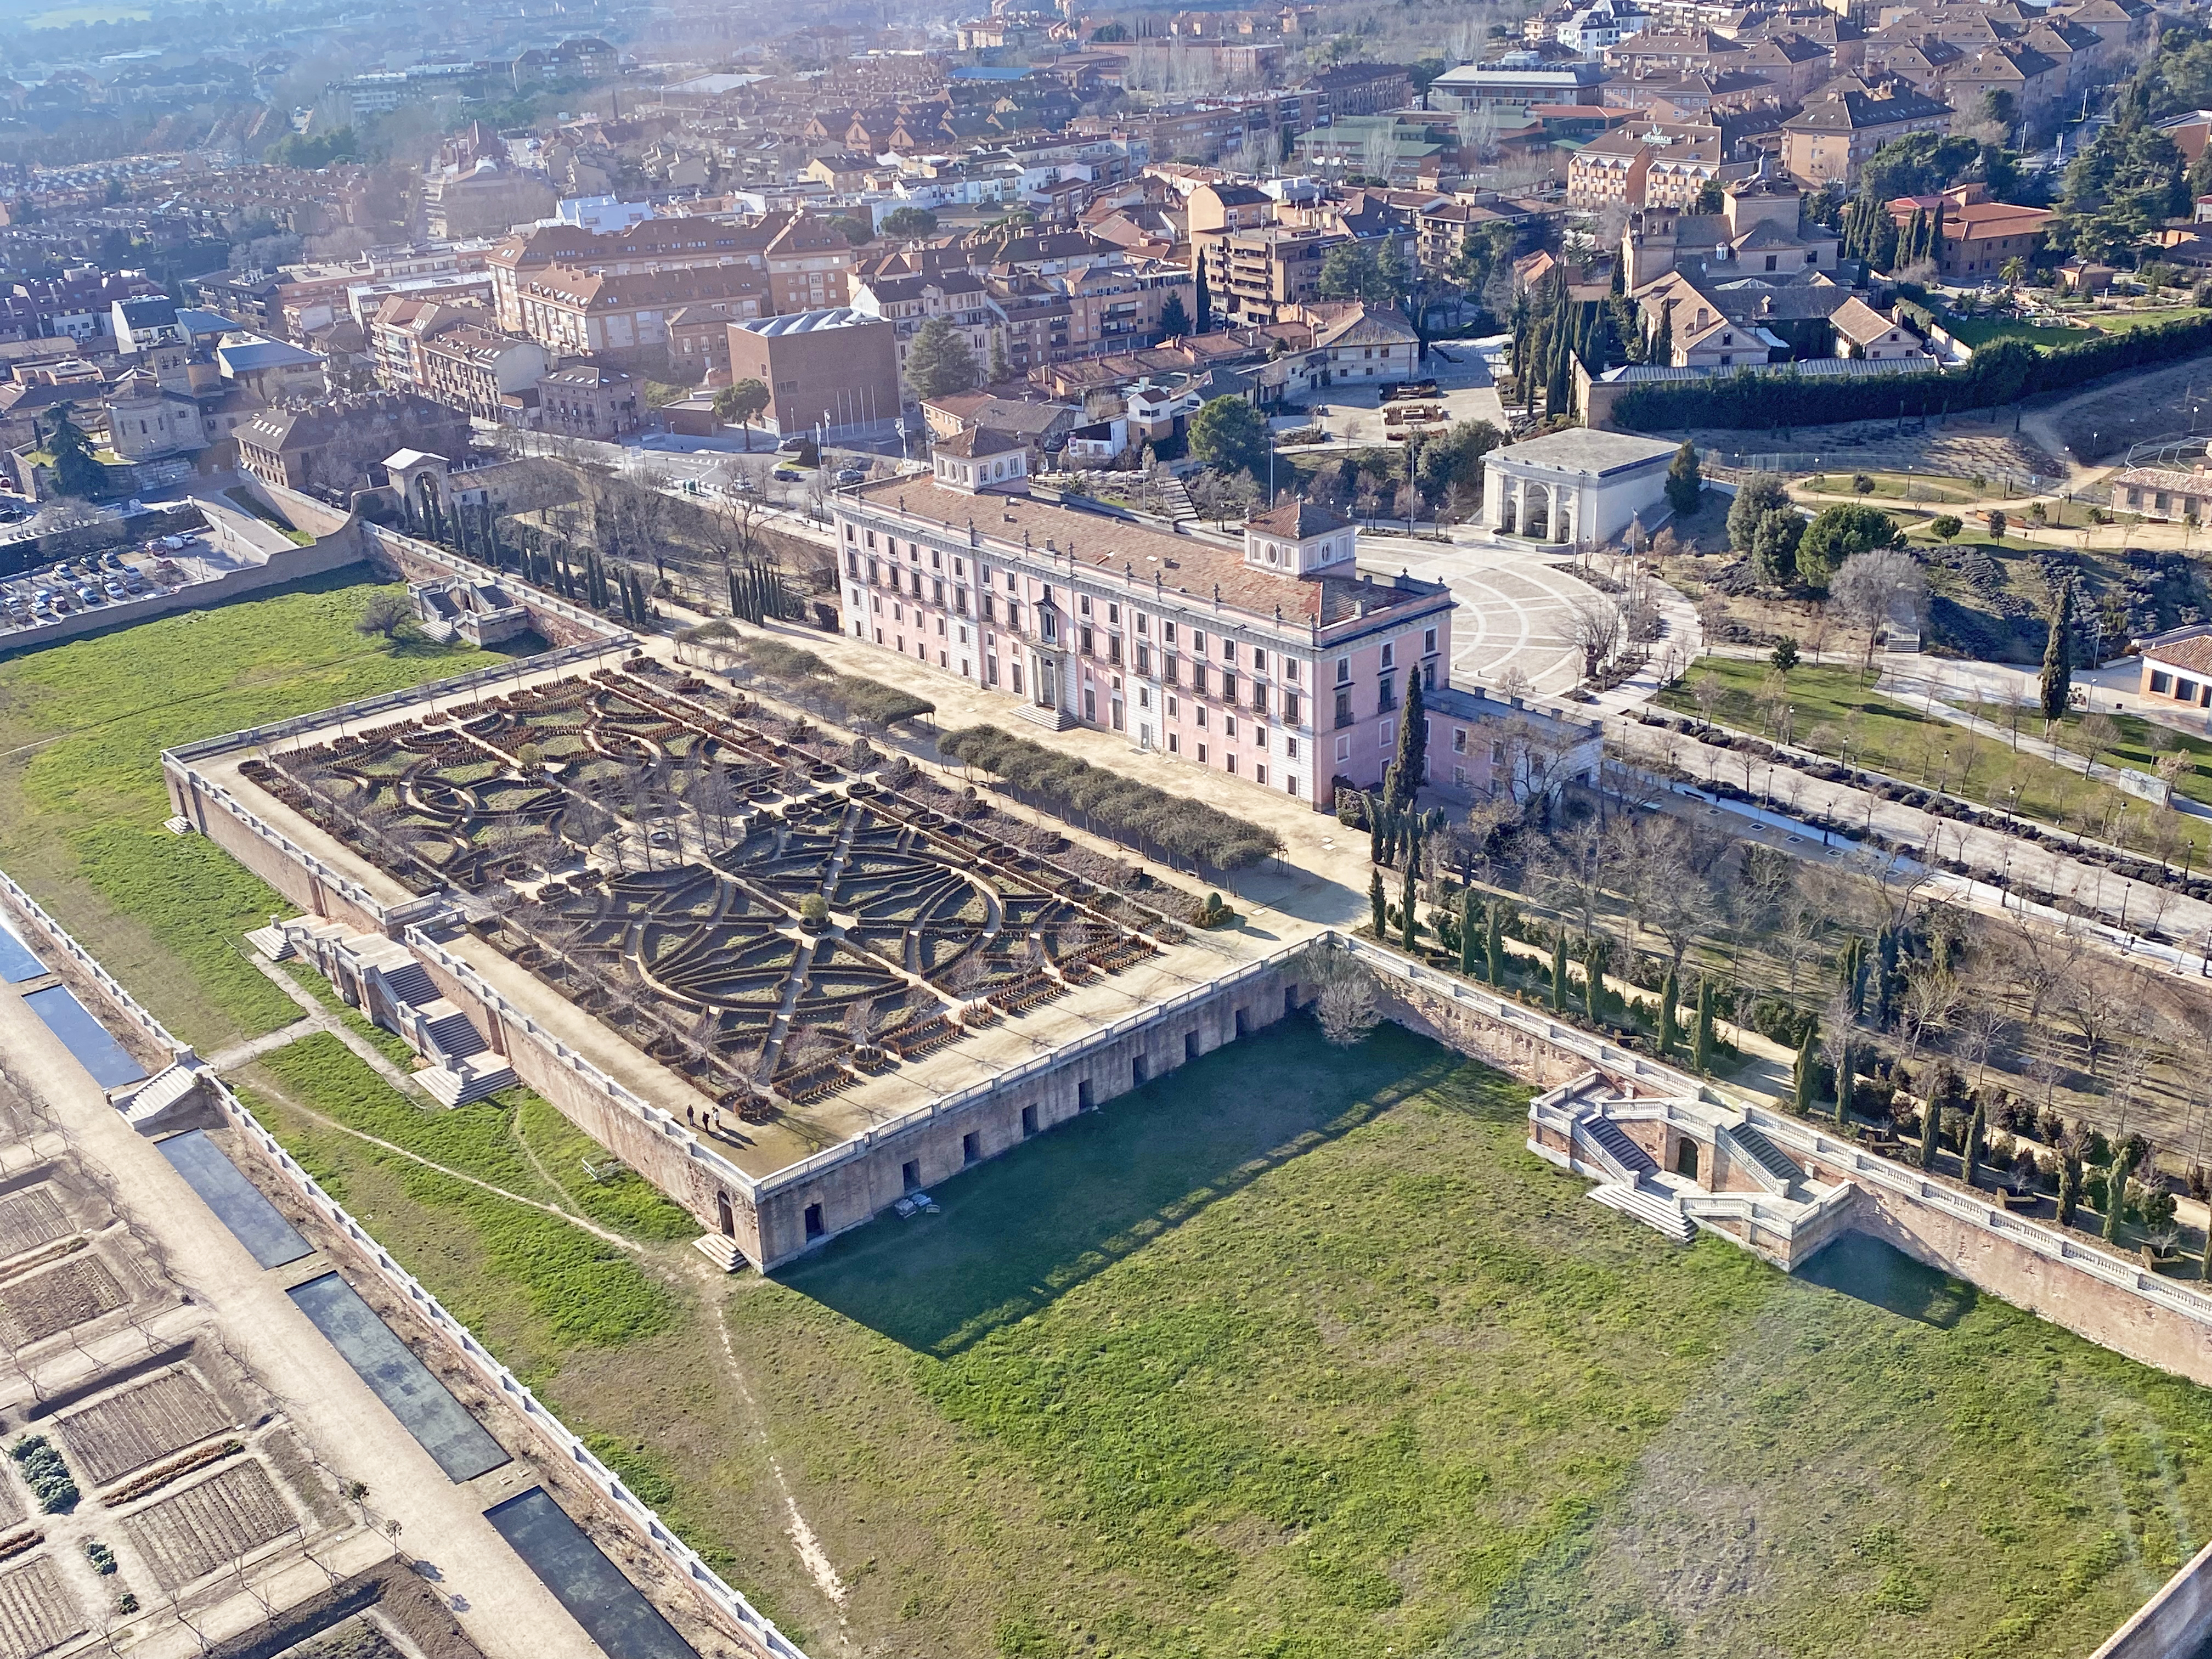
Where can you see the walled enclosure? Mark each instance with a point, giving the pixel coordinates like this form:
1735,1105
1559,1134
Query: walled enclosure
824,1183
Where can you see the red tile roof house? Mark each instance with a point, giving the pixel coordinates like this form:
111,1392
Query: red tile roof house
2177,666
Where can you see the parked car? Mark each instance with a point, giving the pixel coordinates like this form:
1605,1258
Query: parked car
792,446
852,475
789,475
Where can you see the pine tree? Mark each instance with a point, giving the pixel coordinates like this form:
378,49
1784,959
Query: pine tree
1701,1046
2058,679
1807,1076
1495,944
1670,1030
1970,1159
1375,904
1467,946
1559,971
1685,484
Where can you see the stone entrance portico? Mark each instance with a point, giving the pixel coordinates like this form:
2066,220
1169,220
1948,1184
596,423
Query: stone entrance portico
1575,488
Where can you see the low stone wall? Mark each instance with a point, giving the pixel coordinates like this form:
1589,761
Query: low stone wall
849,1184
2176,1621
775,1218
294,565
2054,1275
730,1610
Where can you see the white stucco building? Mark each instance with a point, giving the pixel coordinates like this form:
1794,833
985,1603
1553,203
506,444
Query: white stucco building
1575,487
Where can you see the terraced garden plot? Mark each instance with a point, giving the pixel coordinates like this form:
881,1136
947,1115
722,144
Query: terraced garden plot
37,1612
46,1303
654,857
31,1217
189,1535
110,1437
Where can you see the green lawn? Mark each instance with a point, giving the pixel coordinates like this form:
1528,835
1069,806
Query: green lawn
2119,322
1833,714
1299,1351
81,728
1980,331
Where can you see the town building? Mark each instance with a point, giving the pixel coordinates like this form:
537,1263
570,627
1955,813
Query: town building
328,449
1976,237
1832,137
1579,487
835,370
2177,665
589,400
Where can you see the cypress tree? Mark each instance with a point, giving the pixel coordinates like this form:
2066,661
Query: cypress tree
1467,941
1844,1061
1806,1077
1971,1160
1931,1132
1670,1032
1403,784
1495,944
1701,1046
1406,925
2115,1193
2070,1189
1375,904
2057,677
736,609
1377,850
1559,971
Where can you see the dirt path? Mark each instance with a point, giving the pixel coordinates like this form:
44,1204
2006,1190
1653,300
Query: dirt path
569,1216
811,1555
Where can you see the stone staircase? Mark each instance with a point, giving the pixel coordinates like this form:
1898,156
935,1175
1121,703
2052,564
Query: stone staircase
438,632
272,942
169,1096
1053,720
720,1250
1770,1166
464,1081
1627,1162
1175,498
1652,1206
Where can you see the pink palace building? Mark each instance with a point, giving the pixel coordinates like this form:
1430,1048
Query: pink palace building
1279,661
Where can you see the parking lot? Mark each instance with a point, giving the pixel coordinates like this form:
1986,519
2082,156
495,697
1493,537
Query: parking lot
92,581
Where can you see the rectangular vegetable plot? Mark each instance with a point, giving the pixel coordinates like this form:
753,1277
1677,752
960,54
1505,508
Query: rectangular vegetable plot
607,1604
237,1202
108,1061
462,1447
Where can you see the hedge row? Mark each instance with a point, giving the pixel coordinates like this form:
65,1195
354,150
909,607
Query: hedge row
1126,810
2001,372
806,679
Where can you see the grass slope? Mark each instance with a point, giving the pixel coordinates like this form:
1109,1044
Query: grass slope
1832,708
81,728
1299,1351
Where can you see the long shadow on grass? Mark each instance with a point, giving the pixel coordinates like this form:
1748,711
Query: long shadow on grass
1873,1272
1020,1230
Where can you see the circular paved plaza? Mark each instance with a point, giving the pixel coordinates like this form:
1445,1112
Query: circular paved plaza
1513,606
